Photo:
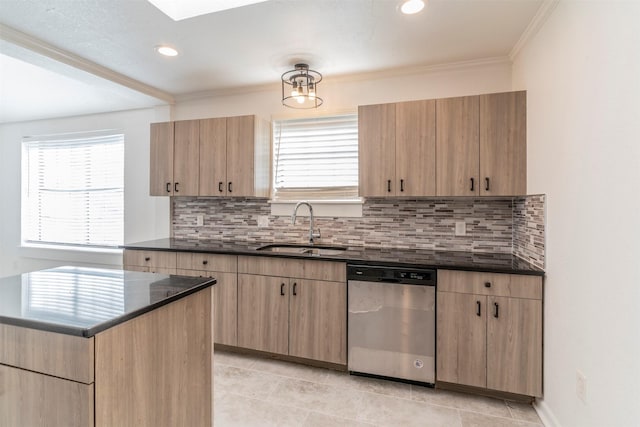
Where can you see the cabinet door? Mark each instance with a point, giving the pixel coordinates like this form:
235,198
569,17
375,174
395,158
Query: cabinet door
186,155
514,345
318,320
161,166
213,157
263,313
457,146
240,156
503,144
376,150
415,148
461,339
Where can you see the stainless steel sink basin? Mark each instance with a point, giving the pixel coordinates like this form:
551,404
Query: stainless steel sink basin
303,249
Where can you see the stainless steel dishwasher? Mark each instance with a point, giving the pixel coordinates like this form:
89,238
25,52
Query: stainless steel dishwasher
391,322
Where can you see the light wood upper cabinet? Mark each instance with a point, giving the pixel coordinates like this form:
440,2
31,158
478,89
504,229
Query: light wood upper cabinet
503,144
211,157
490,331
376,150
263,313
161,167
397,149
416,148
457,146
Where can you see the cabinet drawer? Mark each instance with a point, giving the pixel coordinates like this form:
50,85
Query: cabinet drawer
298,268
152,259
493,284
207,262
59,355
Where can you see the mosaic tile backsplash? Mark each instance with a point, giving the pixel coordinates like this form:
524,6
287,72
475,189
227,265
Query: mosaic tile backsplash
412,224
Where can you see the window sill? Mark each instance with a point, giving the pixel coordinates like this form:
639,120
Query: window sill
106,256
321,208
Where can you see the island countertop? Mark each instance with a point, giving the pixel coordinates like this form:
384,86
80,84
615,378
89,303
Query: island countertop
84,301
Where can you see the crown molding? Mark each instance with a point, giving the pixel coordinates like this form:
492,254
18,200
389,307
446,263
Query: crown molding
544,12
38,46
369,75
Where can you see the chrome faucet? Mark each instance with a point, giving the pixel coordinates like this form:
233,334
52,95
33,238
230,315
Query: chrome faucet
312,234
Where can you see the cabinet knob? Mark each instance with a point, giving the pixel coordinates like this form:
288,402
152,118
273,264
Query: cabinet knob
229,188
168,187
487,284
220,186
205,262
294,288
472,184
175,187
401,185
495,310
478,312
147,258
282,289
486,184
389,186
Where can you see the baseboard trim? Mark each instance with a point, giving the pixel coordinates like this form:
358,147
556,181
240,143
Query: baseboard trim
546,415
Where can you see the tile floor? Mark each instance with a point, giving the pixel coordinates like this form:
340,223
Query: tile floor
252,391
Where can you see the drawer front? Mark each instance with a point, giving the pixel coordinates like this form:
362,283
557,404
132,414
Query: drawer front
59,355
298,268
207,262
152,259
492,284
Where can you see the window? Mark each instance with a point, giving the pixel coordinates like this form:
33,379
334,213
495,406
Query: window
73,190
316,158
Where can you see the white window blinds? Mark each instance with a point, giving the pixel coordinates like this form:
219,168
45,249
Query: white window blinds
73,190
316,158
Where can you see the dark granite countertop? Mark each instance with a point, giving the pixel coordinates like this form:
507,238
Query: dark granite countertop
487,262
84,301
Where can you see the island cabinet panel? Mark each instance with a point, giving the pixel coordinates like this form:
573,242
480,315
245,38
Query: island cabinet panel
32,399
317,321
263,313
156,369
59,355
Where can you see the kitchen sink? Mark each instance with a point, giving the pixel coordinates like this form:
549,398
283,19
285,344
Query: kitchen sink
303,249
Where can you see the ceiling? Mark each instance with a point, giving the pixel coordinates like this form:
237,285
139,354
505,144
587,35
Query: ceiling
104,58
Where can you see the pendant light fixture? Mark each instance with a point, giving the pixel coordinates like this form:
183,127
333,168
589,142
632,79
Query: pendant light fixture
300,87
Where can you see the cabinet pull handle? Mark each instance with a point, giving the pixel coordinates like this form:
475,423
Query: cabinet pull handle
495,311
486,185
168,187
388,186
294,288
478,312
220,186
205,262
402,185
472,184
282,289
147,258
487,284
229,187
175,187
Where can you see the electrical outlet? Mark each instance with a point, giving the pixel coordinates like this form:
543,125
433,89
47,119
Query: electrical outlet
263,221
581,386
199,220
461,228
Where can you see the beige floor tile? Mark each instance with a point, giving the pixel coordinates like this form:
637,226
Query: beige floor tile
233,410
474,419
469,402
323,398
392,411
245,382
524,412
316,419
371,385
290,369
233,359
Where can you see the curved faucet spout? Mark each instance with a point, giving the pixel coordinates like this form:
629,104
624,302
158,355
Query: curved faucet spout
312,234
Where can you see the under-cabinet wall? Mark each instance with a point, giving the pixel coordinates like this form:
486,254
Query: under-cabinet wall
492,225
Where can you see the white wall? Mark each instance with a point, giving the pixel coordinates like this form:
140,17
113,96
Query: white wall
145,217
582,74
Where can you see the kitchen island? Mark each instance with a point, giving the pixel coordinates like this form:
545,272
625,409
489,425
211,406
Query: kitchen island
98,347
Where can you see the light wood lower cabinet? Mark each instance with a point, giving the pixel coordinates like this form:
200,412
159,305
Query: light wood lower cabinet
298,316
161,262
490,331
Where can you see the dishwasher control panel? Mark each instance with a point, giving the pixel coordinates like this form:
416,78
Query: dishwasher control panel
369,273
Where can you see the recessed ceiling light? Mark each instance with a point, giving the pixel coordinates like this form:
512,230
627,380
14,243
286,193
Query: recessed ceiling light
166,51
183,9
410,7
